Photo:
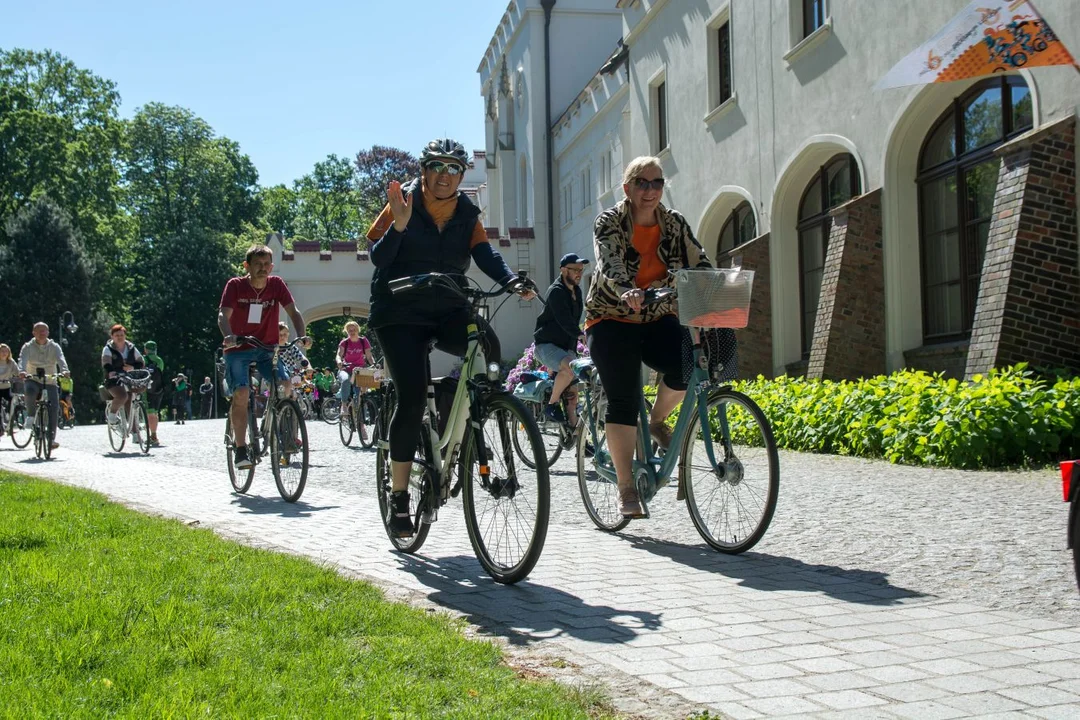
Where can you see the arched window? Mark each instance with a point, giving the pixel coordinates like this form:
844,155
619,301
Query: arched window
836,182
741,227
957,180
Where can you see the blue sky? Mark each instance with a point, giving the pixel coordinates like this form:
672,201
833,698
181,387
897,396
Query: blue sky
290,81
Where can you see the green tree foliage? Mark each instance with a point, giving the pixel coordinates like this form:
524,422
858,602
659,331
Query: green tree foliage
279,209
327,202
375,168
45,271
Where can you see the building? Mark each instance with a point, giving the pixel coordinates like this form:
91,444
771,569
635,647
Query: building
930,227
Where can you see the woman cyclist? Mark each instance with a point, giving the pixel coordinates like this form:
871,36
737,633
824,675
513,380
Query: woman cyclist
352,352
119,356
638,243
427,226
9,373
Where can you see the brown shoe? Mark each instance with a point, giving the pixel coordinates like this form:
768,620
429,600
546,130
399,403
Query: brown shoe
661,433
630,504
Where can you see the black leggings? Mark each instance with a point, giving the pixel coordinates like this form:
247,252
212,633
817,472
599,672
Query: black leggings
619,348
405,349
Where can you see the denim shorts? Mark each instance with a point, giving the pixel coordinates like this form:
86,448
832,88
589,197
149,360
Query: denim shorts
551,356
236,367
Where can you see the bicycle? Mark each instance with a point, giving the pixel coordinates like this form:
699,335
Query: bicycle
67,414
535,391
135,382
18,429
281,430
498,496
358,413
331,404
39,428
306,400
732,497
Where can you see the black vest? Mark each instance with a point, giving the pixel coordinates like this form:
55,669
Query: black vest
424,249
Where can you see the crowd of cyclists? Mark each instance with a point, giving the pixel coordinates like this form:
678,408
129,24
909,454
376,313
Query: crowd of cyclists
429,226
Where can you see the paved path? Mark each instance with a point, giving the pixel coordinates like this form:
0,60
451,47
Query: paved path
879,591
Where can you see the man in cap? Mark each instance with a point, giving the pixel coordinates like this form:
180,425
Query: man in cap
557,332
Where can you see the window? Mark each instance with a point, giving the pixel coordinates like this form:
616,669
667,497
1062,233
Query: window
741,227
586,188
567,200
957,180
605,171
813,16
834,184
661,116
723,62
523,195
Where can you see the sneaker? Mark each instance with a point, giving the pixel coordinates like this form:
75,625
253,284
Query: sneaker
661,433
111,417
401,524
630,504
241,461
53,445
554,413
154,441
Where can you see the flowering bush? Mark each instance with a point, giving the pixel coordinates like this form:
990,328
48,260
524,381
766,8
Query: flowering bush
530,362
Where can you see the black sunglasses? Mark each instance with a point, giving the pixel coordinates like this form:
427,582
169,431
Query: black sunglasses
644,184
441,167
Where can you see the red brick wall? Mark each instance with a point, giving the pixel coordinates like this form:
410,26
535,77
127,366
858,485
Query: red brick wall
1028,306
849,334
755,340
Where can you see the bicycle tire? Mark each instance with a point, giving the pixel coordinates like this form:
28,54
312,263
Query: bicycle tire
239,477
492,503
117,437
419,482
287,427
599,494
20,435
726,487
41,433
366,430
346,423
142,423
331,410
546,438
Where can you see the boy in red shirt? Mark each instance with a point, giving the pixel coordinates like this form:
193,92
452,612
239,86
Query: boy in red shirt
250,305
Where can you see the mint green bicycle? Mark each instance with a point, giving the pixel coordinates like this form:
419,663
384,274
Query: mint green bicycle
729,470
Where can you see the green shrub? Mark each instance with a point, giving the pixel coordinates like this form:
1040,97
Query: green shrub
1007,418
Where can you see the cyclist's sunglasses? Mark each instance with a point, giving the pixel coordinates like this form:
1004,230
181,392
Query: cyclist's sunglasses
645,184
441,167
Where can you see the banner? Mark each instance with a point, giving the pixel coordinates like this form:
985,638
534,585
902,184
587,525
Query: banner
988,36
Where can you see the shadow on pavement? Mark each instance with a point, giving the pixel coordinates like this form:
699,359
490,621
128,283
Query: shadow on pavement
524,613
761,571
256,505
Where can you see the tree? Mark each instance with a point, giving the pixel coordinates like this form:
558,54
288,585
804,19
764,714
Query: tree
327,202
279,209
45,271
376,168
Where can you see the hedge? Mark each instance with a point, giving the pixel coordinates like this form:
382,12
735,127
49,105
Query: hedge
1010,417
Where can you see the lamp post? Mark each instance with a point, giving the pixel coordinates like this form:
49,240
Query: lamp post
67,322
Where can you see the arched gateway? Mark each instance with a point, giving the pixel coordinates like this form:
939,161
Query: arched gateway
336,282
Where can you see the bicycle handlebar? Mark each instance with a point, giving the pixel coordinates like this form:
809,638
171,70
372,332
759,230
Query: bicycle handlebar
520,282
250,340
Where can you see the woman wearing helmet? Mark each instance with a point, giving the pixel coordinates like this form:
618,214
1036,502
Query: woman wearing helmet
427,226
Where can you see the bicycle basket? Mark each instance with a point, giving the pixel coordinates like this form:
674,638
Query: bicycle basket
714,297
136,379
366,378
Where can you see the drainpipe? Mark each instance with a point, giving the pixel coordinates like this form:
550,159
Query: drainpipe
548,5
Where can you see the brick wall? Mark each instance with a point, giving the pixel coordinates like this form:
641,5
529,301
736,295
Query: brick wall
755,340
1028,305
849,333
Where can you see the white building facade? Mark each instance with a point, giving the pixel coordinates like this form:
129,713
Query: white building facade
889,228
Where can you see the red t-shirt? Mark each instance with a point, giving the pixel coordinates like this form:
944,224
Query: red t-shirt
255,312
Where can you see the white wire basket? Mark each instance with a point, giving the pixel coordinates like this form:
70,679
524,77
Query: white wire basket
714,297
136,379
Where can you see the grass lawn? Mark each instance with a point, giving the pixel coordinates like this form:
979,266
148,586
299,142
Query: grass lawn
106,612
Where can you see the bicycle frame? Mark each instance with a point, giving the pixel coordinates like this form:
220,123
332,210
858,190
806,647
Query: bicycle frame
658,470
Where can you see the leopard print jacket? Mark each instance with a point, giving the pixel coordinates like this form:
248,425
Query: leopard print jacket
617,262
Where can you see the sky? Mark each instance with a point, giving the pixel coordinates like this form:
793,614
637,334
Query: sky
290,81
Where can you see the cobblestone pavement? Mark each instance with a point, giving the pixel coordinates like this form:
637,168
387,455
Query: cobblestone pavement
879,591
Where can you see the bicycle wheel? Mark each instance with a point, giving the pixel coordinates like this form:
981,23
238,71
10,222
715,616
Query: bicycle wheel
346,423
289,450
117,436
365,426
506,508
43,429
331,410
20,430
239,477
599,491
419,481
732,502
550,437
142,424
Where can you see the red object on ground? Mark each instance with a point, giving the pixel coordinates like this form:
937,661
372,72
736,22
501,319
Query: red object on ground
1069,469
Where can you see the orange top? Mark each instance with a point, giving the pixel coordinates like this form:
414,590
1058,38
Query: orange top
646,241
440,211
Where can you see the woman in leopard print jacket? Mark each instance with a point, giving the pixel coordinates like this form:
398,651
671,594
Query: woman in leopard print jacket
638,243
